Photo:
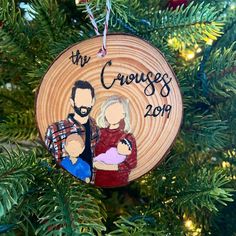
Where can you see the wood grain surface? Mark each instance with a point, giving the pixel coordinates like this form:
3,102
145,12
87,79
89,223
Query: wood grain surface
129,55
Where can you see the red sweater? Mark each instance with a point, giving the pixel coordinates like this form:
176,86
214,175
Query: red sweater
110,178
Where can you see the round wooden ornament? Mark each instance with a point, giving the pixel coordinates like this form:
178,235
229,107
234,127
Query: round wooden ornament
109,120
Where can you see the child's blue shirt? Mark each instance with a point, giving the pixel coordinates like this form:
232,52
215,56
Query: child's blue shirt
80,169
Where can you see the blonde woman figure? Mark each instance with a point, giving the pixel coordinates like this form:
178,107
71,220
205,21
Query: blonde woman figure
115,152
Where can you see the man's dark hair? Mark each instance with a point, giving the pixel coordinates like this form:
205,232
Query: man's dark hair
80,84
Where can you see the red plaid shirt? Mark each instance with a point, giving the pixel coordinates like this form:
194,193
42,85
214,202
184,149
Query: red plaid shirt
57,133
111,178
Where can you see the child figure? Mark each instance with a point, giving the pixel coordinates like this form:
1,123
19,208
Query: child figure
115,155
74,146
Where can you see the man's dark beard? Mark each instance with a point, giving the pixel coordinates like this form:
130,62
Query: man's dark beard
78,110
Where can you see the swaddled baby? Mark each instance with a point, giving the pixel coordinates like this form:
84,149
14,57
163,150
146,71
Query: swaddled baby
115,155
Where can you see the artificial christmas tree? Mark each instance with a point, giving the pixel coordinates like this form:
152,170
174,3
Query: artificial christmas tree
191,192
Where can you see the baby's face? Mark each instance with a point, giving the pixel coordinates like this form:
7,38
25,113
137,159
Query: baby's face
123,149
74,148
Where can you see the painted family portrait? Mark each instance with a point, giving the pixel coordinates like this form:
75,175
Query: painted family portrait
98,150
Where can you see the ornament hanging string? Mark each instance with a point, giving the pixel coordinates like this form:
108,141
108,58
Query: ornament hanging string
103,51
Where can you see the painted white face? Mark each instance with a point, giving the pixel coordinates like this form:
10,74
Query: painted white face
74,148
83,98
115,113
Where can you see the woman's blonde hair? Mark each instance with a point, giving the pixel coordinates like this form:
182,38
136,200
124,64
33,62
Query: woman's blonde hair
101,119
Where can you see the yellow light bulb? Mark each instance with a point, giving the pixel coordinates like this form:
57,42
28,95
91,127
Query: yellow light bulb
190,56
198,50
170,41
225,164
233,6
209,41
188,224
187,54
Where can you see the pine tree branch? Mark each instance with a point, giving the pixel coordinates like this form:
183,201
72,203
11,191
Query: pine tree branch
66,207
19,126
138,226
15,178
204,190
50,19
13,33
223,73
203,131
220,71
16,98
197,22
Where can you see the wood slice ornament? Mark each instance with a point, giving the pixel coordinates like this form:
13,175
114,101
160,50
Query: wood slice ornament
137,105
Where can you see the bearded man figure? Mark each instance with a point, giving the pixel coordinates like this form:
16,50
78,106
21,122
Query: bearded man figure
79,122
